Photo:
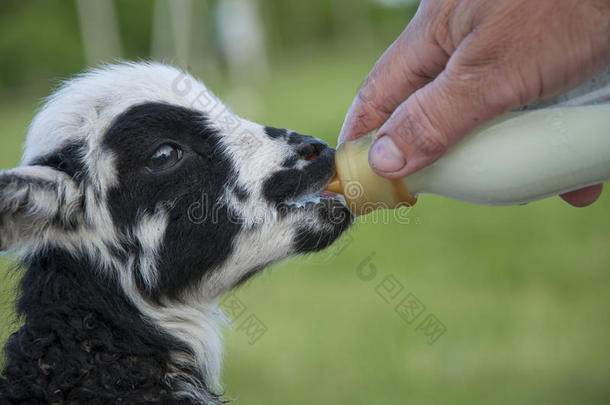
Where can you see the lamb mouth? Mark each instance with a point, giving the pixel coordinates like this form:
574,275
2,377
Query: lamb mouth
313,199
321,204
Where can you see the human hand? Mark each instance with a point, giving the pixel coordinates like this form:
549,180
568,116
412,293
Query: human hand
460,63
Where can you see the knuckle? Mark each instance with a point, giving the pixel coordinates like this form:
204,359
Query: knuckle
375,104
439,22
502,93
368,90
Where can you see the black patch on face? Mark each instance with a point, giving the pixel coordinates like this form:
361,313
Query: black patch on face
67,160
193,244
291,137
338,219
308,240
275,133
292,183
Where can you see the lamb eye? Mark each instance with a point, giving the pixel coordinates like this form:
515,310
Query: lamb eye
165,157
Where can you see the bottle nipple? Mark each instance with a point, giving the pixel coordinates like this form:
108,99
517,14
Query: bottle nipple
364,190
335,185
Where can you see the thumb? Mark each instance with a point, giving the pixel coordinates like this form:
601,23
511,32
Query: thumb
436,117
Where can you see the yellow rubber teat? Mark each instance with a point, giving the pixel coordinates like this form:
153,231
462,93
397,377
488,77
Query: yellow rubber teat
335,185
364,190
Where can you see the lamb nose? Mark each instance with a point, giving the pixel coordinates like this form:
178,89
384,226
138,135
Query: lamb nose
310,150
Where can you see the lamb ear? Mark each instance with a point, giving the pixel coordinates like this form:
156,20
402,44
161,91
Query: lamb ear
35,200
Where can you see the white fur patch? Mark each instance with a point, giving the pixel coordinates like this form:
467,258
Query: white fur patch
149,232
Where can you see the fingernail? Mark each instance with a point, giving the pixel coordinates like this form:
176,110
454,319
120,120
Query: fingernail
384,156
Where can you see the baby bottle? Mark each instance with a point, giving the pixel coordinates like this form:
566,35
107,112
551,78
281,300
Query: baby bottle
518,158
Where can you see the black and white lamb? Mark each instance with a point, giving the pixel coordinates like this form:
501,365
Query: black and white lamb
140,201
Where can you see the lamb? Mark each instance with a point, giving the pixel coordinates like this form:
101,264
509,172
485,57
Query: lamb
142,199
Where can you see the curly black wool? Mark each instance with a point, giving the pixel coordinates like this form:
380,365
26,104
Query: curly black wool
83,342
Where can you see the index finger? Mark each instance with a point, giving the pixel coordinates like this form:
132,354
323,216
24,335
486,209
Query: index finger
408,64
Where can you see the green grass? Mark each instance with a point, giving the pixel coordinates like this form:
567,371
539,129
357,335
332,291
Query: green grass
522,291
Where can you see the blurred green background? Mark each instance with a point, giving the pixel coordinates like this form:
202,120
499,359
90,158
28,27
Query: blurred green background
522,292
